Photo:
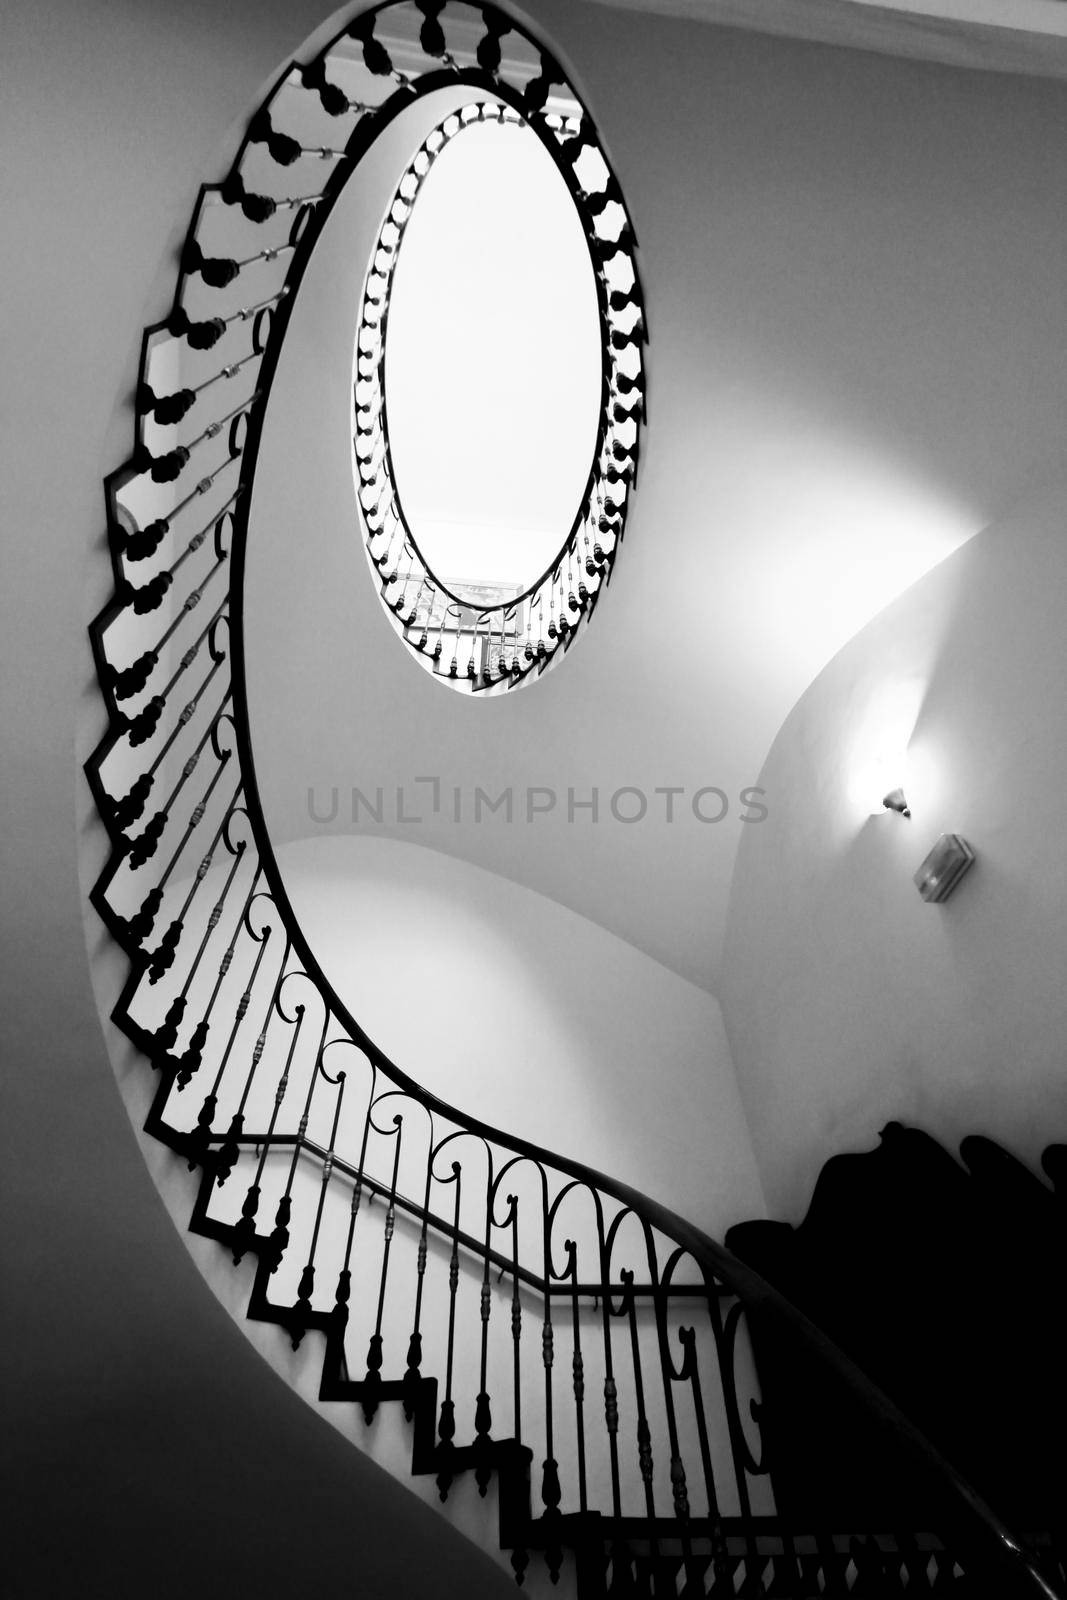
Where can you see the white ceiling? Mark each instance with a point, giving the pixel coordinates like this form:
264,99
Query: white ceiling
996,35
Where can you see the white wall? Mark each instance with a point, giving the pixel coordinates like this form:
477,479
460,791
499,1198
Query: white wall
531,1018
848,1000
113,113
855,273
542,1024
141,1434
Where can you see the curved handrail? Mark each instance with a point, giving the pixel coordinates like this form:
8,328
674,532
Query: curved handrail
593,539
172,994
379,430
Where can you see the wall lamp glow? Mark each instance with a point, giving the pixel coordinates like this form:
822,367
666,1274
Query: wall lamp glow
895,801
943,868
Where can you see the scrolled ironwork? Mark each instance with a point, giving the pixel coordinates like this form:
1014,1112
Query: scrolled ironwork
589,547
523,1309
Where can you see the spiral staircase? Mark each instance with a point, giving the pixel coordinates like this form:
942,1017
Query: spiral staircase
543,1328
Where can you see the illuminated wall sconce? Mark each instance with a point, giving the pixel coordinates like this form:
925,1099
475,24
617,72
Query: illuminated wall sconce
943,868
895,801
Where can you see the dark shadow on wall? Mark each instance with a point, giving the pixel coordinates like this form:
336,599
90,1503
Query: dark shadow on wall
944,1282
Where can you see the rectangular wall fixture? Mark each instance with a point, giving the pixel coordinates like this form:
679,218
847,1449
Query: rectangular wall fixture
944,867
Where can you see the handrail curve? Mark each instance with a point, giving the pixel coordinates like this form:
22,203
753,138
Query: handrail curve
531,1339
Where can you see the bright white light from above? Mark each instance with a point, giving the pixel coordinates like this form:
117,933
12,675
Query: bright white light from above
492,366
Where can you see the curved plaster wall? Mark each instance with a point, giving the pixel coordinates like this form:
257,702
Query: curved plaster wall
848,1001
854,271
115,113
624,1063
531,1017
141,1435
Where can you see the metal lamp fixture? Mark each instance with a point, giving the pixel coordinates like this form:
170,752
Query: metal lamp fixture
895,801
946,863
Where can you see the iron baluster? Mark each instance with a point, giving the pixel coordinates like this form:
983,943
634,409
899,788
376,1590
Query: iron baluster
611,1391
162,957
189,766
146,844
483,1416
167,1036
344,1279
205,335
131,659
477,650
167,468
170,409
519,1556
141,597
691,1370
224,269
438,649
302,1311
516,1316
725,1341
551,1493
644,1437
230,1151
744,1462
200,1138
578,1374
671,1375
245,1230
142,542
412,1375
128,681
139,727
446,1427
373,1381
279,1239
191,1059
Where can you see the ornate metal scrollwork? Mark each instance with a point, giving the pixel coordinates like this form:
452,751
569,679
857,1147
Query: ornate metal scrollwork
224,991
413,594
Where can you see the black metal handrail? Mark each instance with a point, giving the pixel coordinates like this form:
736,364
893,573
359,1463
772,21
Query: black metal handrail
295,1118
566,592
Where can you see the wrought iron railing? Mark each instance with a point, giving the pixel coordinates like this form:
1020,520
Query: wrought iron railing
486,648
540,1324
